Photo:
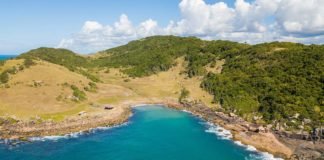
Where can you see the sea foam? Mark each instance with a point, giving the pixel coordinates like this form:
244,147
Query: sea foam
258,155
222,133
75,134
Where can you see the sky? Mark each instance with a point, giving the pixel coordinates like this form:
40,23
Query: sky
88,26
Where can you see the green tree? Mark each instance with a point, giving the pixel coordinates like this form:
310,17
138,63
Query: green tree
4,77
184,94
28,62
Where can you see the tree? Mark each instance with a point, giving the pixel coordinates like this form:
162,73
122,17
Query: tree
4,77
184,94
28,62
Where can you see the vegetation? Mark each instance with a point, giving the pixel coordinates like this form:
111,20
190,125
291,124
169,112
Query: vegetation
147,56
4,77
2,62
28,62
78,94
184,94
63,57
275,80
91,88
12,70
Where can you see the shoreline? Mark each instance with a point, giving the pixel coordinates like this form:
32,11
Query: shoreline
23,131
262,141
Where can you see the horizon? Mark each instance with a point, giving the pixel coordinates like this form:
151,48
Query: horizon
108,24
17,54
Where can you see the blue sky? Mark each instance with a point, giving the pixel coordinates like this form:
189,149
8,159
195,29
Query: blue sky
87,26
34,23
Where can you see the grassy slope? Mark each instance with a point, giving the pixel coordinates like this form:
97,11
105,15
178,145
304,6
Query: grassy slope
160,67
25,101
163,85
274,80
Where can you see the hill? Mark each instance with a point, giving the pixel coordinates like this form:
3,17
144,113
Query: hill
275,81
265,83
63,57
45,91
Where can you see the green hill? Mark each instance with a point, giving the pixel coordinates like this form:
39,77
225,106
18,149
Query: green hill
63,57
273,80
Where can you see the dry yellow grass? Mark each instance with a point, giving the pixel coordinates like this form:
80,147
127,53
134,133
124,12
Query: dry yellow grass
164,85
11,63
25,101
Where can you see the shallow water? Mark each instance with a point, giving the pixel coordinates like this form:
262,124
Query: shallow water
153,132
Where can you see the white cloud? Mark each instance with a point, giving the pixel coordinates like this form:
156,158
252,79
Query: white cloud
200,18
301,17
91,26
252,22
124,26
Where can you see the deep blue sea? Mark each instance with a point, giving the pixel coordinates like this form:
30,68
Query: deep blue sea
153,133
4,57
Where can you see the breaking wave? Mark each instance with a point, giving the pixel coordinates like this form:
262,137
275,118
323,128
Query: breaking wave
222,133
75,134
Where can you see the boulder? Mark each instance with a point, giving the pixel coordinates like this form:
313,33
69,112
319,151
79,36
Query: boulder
232,114
307,121
300,127
296,116
253,129
255,118
261,129
269,126
82,113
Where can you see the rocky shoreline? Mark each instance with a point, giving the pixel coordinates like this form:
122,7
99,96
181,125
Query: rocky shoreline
250,134
24,130
264,139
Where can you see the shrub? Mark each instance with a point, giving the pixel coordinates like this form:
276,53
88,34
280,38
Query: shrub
28,62
12,70
2,62
92,87
4,77
80,95
184,94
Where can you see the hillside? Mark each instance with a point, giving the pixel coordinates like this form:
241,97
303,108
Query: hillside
63,57
264,83
153,54
45,91
275,81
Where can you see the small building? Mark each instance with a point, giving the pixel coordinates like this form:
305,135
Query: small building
108,107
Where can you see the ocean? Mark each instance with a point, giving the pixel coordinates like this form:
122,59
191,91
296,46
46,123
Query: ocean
5,57
152,133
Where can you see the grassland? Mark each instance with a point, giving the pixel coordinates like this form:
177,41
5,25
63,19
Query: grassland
272,80
163,85
51,98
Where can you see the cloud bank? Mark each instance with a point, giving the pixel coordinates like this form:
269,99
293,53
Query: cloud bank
253,22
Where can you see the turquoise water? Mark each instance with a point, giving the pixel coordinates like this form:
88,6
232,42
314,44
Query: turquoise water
4,57
153,133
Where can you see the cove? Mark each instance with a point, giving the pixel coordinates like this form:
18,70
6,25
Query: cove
153,133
